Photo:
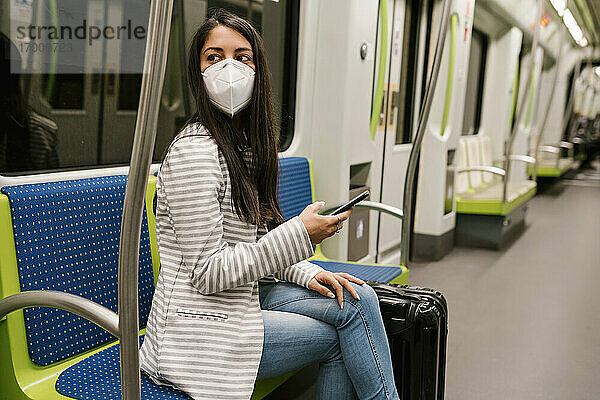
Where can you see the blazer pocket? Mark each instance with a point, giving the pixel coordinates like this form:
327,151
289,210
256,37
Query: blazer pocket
189,313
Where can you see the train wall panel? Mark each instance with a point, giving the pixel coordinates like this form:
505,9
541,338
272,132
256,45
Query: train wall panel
332,124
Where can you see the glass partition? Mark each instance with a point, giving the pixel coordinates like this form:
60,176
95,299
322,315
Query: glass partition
71,72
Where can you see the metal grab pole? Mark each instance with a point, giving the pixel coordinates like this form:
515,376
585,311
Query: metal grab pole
545,119
159,27
568,121
409,182
100,315
520,107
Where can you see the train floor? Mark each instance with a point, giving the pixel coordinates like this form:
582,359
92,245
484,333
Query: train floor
524,321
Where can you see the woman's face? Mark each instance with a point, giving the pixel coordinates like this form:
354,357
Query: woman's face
223,42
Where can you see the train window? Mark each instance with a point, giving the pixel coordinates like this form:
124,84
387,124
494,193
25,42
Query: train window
409,69
73,100
475,83
517,87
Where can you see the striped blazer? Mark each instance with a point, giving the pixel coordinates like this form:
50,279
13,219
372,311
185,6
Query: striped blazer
205,332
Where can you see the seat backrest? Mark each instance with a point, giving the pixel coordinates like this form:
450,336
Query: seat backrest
294,186
462,179
486,157
66,237
474,160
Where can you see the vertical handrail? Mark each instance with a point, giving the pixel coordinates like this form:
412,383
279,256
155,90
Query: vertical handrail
141,157
375,113
450,83
409,182
570,122
513,106
516,127
545,118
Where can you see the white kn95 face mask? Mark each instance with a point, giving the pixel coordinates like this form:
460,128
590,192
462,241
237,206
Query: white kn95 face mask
229,84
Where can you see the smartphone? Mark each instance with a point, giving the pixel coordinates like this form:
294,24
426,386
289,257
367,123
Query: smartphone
351,203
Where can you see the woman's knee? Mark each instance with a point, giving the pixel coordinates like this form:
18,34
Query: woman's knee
368,297
361,308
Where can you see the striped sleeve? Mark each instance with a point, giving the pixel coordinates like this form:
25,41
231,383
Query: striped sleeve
300,273
191,177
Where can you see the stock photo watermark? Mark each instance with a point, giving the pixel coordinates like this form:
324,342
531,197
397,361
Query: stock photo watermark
78,36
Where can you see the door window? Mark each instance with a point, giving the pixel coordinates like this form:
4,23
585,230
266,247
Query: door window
409,69
475,83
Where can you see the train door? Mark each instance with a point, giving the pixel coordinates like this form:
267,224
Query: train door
121,81
410,22
121,89
115,82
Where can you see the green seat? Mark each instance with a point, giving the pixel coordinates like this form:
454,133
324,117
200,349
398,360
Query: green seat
483,217
488,200
477,190
549,169
20,377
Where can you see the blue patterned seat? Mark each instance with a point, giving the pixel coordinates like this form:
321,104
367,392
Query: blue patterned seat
67,239
99,377
366,272
62,236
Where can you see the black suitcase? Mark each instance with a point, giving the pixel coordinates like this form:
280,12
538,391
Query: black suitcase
416,323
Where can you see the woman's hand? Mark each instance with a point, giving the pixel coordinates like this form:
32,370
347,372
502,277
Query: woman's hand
320,227
338,281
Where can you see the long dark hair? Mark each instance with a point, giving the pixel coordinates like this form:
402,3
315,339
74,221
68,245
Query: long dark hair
253,187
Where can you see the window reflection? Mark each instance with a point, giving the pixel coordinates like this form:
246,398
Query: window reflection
76,108
27,138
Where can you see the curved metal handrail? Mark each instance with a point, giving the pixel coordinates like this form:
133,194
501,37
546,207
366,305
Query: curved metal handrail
483,168
409,182
94,312
373,206
159,27
549,149
520,105
520,157
565,145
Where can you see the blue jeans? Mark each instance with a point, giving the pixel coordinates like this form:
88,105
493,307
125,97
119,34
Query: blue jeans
303,327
